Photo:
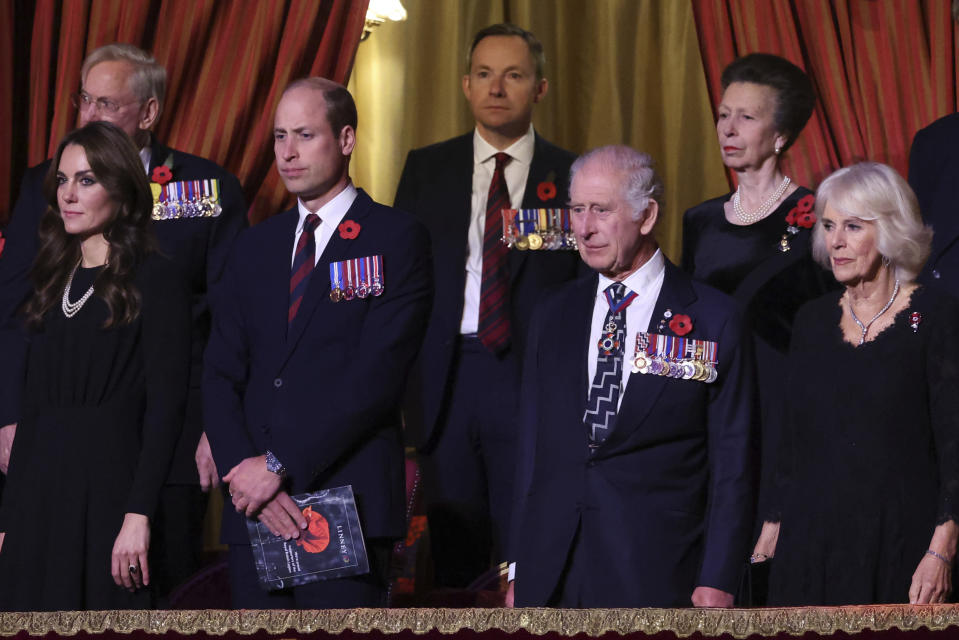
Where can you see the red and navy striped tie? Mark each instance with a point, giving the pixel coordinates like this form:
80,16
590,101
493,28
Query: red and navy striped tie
303,260
494,324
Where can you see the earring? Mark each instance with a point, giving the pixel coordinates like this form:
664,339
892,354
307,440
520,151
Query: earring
778,148
886,261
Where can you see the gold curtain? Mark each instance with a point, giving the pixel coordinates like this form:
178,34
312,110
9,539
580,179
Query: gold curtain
620,71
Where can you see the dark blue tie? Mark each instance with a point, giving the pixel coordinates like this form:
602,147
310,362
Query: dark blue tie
601,407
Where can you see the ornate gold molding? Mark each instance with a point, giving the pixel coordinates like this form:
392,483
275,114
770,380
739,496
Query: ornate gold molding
683,622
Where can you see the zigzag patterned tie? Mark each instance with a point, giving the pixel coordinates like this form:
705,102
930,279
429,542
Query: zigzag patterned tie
494,323
601,407
303,261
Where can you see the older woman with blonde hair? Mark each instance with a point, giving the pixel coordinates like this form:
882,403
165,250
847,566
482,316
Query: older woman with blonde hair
870,465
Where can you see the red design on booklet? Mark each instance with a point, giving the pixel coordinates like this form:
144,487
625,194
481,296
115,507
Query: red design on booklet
316,538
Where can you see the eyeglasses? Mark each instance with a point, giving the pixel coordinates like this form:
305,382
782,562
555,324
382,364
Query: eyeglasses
84,100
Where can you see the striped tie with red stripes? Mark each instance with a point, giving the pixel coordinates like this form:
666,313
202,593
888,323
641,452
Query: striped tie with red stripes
303,260
494,324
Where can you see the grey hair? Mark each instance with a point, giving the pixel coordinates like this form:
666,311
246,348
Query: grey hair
874,191
148,79
640,181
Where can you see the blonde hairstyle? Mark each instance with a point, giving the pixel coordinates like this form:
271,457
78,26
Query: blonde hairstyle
148,79
874,191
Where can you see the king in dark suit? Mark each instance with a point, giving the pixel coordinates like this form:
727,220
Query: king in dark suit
635,485
124,85
462,396
304,376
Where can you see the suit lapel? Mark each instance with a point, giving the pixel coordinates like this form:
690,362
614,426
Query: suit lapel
158,155
277,275
318,289
541,169
642,391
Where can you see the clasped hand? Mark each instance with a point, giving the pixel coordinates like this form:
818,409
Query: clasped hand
256,491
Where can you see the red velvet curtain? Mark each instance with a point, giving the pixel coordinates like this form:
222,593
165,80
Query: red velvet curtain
226,61
882,70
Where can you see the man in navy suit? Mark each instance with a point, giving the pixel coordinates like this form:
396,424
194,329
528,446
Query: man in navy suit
304,376
934,176
634,486
463,391
124,85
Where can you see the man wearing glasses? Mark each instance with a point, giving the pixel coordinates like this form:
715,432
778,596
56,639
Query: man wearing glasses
199,212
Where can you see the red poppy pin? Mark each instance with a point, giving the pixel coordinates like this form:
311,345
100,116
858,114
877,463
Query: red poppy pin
3,242
681,324
806,219
791,216
161,175
349,229
546,190
806,202
914,319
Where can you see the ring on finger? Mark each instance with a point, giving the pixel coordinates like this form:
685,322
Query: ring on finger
134,569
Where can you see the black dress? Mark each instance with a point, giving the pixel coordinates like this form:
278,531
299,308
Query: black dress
770,285
873,464
101,415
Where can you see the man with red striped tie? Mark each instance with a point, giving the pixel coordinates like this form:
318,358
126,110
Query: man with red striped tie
321,312
462,396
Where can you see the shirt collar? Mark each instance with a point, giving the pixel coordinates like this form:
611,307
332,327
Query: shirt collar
146,154
520,151
332,212
641,279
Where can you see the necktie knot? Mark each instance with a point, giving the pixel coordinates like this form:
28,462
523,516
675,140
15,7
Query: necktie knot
502,159
615,293
311,223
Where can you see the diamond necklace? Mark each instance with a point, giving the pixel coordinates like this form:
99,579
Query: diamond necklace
760,213
71,309
865,327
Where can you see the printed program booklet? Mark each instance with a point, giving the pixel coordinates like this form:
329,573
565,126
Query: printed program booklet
330,547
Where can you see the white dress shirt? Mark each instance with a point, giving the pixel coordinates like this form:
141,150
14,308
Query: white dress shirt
331,214
146,154
516,173
646,282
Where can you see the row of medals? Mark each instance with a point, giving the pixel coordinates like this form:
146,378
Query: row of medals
549,240
685,369
362,291
202,207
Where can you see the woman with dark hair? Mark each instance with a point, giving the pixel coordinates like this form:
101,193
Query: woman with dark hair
109,350
870,467
753,243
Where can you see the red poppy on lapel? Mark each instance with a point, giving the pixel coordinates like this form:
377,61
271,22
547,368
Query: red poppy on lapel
161,174
914,319
681,324
3,241
806,220
806,202
349,229
791,216
546,190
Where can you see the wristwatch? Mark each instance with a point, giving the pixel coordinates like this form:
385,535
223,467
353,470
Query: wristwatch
273,465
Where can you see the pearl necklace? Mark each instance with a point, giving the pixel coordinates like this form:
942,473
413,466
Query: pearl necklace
71,309
865,327
764,208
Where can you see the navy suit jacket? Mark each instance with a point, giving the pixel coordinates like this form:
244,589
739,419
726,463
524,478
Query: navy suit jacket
198,245
934,176
436,187
666,503
324,396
